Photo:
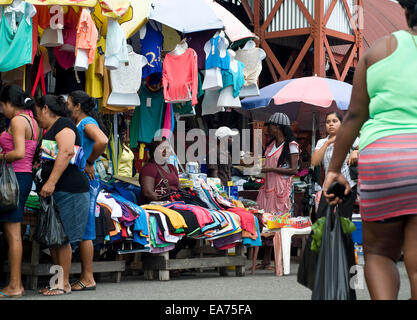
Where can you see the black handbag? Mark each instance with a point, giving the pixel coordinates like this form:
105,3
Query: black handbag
49,230
9,188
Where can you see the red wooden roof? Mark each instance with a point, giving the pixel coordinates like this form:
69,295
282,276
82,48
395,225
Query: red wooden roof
381,18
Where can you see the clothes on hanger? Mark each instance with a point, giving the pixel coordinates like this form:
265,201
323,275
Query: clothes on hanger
126,81
147,118
16,35
86,41
116,45
151,46
180,76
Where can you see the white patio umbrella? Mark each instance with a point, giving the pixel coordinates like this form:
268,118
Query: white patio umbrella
185,16
233,27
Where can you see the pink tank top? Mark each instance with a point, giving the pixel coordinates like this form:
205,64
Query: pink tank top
6,143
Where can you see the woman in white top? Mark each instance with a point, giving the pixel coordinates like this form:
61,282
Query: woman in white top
323,154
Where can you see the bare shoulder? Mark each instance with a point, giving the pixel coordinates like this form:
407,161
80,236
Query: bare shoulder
381,49
18,122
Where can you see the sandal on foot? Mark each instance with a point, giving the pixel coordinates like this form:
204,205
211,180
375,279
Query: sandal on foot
41,291
260,266
62,292
82,286
3,295
269,267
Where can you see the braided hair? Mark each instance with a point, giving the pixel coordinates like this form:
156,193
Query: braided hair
411,6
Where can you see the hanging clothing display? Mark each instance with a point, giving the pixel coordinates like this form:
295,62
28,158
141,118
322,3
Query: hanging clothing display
147,118
217,59
104,106
186,108
16,35
65,54
116,45
94,76
180,77
233,81
252,58
126,81
216,52
151,47
52,35
86,42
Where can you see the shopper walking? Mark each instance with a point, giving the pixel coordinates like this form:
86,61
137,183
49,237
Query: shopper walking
280,165
63,181
384,108
18,144
94,141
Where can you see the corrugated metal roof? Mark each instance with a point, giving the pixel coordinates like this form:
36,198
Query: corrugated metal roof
381,17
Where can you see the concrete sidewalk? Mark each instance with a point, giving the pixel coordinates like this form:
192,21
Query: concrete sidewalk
263,285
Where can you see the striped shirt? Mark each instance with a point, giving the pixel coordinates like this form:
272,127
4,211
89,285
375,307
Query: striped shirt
328,156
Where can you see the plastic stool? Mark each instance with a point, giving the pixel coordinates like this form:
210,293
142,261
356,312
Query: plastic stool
286,235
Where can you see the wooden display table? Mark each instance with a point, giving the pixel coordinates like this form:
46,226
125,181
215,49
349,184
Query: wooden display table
159,265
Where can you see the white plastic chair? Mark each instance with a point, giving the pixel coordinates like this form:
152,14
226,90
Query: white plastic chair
286,235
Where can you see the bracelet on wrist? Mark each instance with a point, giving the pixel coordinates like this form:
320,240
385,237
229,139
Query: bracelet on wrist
90,163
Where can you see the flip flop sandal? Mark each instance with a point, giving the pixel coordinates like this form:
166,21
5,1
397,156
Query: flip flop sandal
63,292
260,266
83,286
41,291
3,295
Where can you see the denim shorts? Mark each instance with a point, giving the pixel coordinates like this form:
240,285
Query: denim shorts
24,179
73,209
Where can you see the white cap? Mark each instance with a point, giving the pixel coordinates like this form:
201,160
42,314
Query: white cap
225,132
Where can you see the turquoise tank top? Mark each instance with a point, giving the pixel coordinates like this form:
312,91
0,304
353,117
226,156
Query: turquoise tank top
214,60
391,84
12,43
235,79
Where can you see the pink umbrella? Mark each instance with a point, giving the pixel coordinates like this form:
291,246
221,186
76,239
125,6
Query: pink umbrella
234,29
305,100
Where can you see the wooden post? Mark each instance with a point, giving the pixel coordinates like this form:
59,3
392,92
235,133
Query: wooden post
117,277
164,274
240,252
223,270
318,31
32,280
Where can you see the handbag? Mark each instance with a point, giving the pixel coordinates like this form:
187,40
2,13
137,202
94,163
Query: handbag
9,188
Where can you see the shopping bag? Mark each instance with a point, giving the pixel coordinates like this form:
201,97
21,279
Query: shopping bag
332,273
308,265
9,188
50,231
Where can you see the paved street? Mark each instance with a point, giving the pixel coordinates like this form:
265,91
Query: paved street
263,285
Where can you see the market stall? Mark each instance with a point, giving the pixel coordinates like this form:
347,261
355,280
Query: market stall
147,68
